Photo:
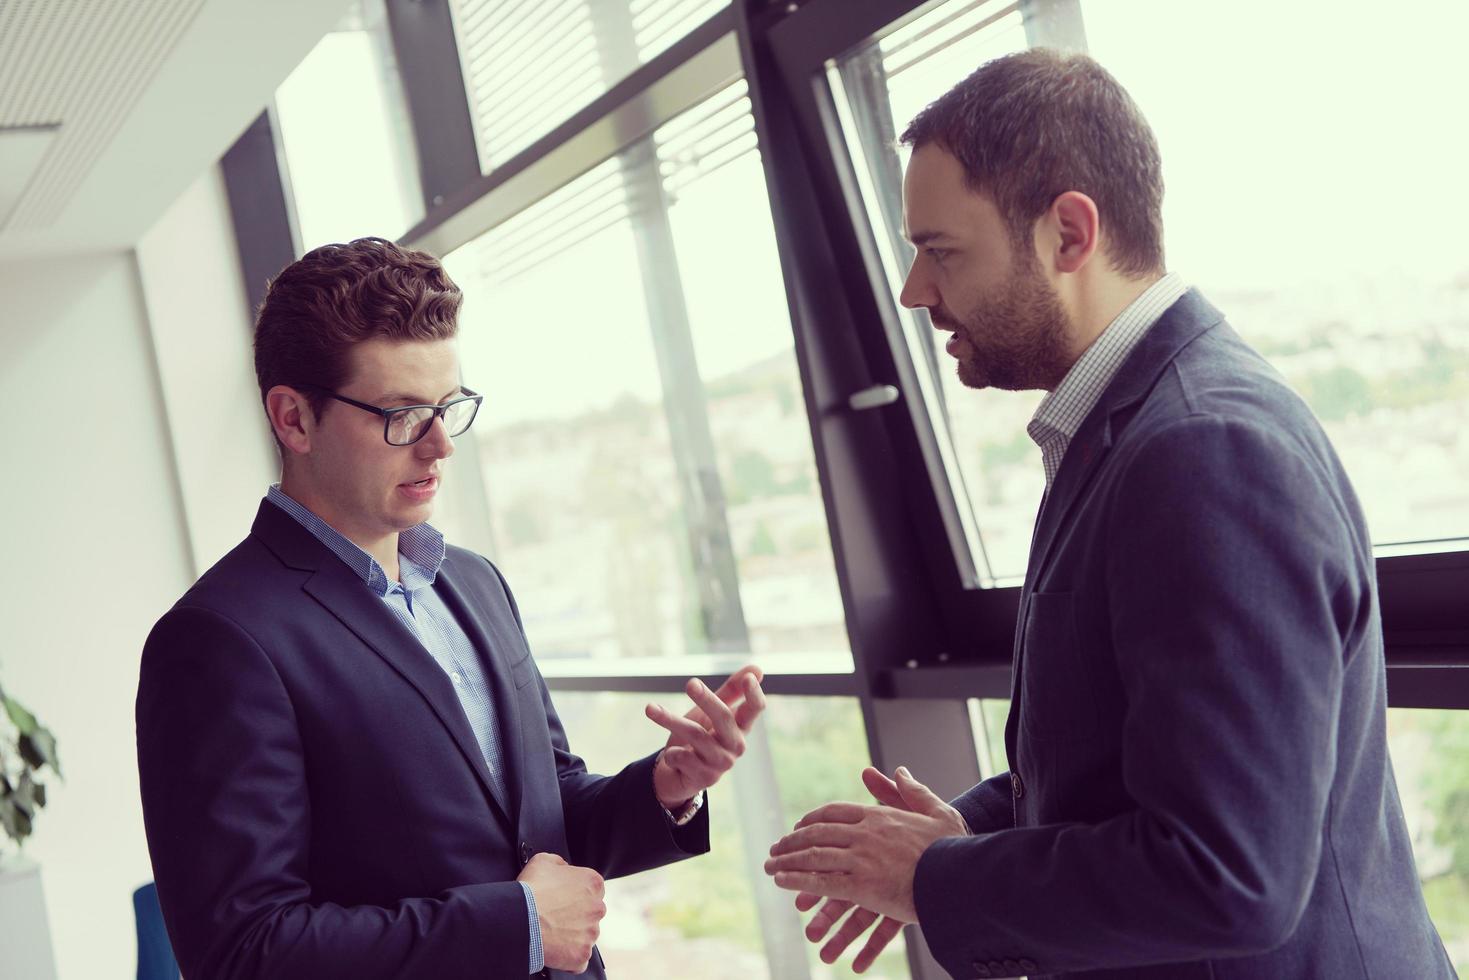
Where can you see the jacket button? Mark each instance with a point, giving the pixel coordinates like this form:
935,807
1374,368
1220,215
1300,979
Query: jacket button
1012,968
980,970
1028,966
525,853
1017,785
997,969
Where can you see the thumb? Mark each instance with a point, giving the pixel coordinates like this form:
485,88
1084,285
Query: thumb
883,789
918,797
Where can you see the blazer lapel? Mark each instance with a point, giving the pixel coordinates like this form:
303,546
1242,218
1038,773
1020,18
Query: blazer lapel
343,595
1190,316
488,632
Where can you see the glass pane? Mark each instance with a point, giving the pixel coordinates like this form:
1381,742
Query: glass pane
645,446
703,917
530,67
1312,209
993,468
987,719
344,130
1430,753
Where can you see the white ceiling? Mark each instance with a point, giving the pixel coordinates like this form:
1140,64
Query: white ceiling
144,94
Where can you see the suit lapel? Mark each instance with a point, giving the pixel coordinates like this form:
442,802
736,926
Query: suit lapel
1190,316
488,633
341,593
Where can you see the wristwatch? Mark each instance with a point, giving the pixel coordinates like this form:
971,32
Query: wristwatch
686,814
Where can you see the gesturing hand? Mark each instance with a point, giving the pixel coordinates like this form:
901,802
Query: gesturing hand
569,905
704,743
863,856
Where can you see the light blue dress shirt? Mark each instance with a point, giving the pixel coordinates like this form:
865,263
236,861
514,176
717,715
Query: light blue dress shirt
422,611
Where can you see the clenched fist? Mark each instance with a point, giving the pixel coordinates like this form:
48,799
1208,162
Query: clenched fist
569,905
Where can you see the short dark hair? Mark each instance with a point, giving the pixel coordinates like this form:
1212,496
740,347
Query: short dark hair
1030,126
337,296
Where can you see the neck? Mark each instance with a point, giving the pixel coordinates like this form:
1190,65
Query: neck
382,547
1096,301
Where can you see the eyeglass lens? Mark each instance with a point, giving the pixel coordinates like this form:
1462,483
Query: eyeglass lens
409,427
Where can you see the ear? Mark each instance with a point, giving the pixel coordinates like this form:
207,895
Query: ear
291,418
1073,230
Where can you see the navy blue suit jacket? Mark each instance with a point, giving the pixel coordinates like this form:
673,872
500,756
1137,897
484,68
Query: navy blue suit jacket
315,801
1199,784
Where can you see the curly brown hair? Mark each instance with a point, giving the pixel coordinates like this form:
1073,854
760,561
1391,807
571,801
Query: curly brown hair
337,296
1030,126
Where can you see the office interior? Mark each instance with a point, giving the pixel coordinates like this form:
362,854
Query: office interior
710,434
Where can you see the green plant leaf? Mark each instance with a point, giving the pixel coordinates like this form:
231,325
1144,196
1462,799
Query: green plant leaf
23,719
24,796
15,822
39,749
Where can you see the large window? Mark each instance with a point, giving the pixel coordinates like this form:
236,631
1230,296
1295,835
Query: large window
644,440
1305,197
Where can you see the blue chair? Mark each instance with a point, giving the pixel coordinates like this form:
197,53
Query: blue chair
155,953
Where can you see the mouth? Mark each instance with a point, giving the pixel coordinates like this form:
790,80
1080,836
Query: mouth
420,489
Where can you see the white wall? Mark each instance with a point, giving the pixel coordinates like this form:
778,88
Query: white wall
95,551
202,331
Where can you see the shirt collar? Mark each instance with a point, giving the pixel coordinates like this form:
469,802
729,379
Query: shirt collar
420,549
1063,410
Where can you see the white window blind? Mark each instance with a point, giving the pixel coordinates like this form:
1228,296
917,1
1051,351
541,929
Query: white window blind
710,136
529,65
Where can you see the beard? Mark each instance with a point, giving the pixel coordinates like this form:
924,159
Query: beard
1017,337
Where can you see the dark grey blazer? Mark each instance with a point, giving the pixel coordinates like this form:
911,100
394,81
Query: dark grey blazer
1199,784
315,800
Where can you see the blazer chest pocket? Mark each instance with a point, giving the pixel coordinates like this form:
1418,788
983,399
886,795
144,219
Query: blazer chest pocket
1057,696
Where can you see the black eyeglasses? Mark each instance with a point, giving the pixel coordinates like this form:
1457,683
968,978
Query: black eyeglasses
406,424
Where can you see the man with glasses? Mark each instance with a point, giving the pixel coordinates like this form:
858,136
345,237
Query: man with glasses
350,764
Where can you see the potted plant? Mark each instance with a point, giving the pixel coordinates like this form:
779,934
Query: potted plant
26,748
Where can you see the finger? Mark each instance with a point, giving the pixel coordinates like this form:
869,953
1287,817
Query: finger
918,797
826,917
825,859
856,924
806,902
822,883
685,731
687,734
815,835
752,706
883,789
876,943
721,718
834,813
733,687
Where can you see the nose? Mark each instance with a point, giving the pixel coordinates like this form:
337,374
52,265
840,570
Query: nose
917,292
438,444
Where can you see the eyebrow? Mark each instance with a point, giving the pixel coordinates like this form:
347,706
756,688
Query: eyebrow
398,396
924,237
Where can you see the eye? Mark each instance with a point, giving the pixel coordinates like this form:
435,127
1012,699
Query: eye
937,254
